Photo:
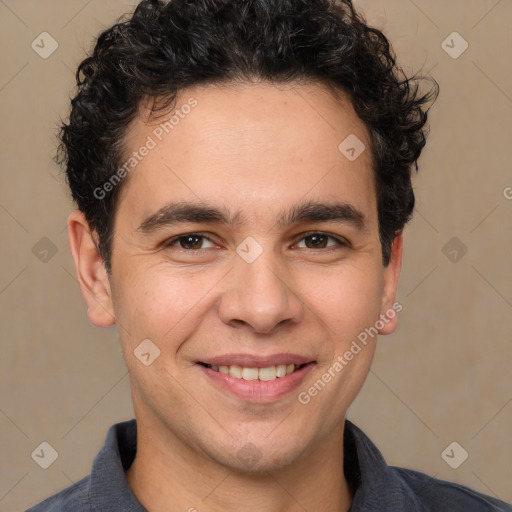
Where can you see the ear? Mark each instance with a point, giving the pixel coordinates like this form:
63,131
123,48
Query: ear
90,269
388,313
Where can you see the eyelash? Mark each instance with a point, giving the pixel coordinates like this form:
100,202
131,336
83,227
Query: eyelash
169,243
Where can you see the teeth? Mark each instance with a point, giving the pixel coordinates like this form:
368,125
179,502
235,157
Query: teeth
281,370
265,374
269,373
235,371
250,373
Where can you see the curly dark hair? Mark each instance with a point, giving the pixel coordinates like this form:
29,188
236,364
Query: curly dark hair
165,47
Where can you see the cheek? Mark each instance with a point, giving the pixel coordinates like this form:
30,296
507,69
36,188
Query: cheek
166,305
160,305
349,305
347,300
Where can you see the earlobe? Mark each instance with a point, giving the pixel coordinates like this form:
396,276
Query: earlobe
389,309
90,268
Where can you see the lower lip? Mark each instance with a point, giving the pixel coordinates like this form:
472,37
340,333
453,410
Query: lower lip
258,391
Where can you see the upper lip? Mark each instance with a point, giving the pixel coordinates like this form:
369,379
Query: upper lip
254,361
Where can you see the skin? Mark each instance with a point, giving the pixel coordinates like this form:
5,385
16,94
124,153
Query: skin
256,149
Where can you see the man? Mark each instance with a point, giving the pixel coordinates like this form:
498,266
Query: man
242,175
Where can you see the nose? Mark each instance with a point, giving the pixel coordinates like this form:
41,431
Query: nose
261,295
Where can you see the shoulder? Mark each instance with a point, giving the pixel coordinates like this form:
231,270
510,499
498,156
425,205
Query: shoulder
441,495
73,499
380,487
106,485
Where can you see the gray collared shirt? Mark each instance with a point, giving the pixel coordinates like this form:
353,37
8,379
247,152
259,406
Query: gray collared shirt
376,486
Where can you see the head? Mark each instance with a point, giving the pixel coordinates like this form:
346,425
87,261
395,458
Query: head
279,136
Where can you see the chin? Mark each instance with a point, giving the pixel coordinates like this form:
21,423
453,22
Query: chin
253,459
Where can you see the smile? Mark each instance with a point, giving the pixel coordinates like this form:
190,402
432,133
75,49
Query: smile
264,383
264,374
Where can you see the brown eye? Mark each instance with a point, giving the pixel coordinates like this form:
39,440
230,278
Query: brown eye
316,241
189,242
321,241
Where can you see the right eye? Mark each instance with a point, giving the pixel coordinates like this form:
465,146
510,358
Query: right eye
188,242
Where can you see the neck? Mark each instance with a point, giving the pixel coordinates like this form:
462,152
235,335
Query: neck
168,475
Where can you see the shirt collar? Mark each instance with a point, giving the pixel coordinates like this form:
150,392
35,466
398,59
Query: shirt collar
108,487
379,487
374,486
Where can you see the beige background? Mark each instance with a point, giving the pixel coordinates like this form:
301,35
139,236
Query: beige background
443,376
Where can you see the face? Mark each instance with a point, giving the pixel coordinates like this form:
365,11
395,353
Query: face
245,239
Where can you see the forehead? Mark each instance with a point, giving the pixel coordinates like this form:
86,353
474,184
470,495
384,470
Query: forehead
251,107
253,141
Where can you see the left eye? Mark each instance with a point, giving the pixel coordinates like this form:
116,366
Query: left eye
319,240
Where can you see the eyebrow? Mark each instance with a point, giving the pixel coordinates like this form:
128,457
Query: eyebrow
186,212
